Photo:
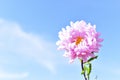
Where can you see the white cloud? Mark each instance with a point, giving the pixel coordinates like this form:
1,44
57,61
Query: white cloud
13,40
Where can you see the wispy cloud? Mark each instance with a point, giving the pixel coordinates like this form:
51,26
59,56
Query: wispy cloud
13,40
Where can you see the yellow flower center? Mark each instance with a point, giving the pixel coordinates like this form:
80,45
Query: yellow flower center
78,40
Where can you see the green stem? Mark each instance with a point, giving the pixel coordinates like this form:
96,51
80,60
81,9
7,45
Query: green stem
82,66
88,77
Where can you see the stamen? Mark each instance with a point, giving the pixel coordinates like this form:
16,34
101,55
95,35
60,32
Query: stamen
78,40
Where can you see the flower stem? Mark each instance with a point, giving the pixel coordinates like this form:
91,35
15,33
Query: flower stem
82,66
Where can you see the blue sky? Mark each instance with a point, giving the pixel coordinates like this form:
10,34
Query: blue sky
29,30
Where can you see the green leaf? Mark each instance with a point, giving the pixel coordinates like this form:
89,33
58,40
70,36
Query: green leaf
82,72
86,69
87,63
91,59
89,69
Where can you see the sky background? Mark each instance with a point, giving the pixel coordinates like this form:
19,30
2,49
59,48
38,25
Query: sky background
29,31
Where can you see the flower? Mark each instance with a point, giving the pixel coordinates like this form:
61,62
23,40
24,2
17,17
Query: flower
79,40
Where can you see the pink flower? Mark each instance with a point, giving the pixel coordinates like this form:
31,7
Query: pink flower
79,40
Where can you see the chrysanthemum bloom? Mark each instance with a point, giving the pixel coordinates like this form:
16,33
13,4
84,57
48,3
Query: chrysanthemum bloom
79,40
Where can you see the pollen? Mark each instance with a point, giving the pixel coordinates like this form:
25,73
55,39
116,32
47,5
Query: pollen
78,40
